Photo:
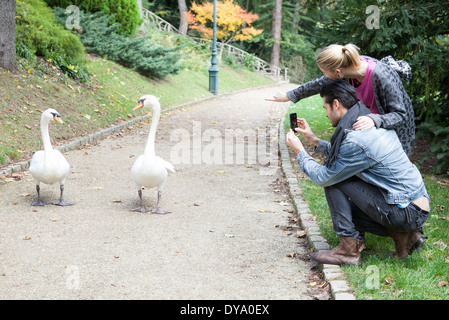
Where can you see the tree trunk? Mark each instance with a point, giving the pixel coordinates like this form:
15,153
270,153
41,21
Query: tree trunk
295,17
8,35
276,29
183,24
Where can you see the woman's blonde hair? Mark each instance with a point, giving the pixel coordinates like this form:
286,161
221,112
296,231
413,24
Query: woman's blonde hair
337,56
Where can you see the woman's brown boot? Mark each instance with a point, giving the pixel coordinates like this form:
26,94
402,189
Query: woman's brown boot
348,252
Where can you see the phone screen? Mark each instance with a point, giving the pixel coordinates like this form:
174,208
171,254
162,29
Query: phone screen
293,121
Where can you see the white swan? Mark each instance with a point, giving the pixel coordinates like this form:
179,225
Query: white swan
49,165
149,170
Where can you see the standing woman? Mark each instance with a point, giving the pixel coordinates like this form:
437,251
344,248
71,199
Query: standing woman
378,85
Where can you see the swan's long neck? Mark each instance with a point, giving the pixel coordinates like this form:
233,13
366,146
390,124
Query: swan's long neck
149,148
45,135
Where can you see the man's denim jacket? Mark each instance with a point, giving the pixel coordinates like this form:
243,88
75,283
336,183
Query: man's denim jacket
375,156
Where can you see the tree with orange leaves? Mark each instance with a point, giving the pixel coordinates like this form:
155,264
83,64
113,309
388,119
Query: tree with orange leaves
233,22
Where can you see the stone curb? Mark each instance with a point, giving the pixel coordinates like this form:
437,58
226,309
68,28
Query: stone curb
24,165
333,274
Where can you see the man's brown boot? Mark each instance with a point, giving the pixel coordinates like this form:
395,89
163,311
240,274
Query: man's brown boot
406,242
348,252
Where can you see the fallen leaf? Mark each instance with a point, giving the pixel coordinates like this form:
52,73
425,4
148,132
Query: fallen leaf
17,176
440,244
293,220
443,183
323,284
300,233
221,171
291,254
27,238
442,283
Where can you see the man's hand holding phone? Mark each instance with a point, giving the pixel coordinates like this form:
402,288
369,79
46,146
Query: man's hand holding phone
300,125
307,133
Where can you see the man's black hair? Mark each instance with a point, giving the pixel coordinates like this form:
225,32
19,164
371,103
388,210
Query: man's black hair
340,90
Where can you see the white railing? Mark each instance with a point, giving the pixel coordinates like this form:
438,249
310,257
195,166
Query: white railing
262,67
150,17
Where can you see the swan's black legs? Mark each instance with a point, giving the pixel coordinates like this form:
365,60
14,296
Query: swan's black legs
39,200
142,207
61,202
159,210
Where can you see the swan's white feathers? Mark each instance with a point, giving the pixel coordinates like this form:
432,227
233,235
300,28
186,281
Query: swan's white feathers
150,170
149,173
49,165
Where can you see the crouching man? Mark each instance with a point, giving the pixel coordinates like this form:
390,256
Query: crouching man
369,182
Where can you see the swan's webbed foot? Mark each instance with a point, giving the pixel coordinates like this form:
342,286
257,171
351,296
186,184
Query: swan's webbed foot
142,209
160,211
40,203
62,203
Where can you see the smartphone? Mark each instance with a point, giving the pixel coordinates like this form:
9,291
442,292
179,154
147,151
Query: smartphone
293,121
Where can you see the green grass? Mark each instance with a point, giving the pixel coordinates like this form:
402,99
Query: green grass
421,276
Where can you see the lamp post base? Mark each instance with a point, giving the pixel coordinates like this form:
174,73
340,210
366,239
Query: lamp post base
213,79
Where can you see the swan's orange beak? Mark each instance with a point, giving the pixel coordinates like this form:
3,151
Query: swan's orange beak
58,119
139,105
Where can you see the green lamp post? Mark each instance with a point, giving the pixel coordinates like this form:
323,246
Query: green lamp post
213,70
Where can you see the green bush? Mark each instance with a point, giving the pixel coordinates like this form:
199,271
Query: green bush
62,62
125,12
38,30
73,70
439,145
141,54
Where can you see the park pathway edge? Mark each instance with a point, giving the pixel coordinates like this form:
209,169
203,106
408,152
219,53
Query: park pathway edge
333,274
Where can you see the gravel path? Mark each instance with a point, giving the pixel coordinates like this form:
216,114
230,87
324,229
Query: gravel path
231,233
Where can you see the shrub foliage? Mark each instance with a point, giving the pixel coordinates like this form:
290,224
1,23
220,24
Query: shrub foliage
101,37
38,30
125,12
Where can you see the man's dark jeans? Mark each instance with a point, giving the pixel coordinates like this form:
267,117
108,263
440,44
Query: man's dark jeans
357,207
